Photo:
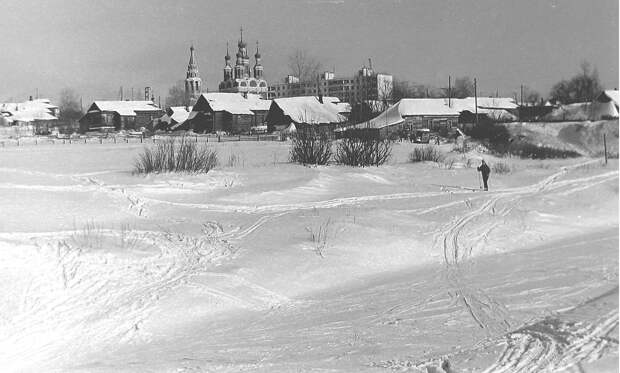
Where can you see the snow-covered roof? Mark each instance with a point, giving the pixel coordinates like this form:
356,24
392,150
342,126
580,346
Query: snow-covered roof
389,117
28,111
583,111
506,103
179,114
613,95
308,109
425,107
125,108
235,103
258,103
438,107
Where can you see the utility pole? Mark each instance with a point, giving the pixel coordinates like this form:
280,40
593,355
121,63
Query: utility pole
131,93
476,99
449,91
121,93
605,145
521,94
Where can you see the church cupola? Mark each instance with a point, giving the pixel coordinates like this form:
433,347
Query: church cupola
227,68
258,68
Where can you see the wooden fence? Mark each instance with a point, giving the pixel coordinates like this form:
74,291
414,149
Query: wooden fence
42,140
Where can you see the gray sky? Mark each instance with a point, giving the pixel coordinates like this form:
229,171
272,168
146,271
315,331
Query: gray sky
97,46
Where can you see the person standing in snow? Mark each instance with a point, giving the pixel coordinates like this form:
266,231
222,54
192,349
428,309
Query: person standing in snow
485,171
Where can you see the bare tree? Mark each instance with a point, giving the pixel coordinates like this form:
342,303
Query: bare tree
463,87
385,89
304,66
530,95
69,105
580,88
176,94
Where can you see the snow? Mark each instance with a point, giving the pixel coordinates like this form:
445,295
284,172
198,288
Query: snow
583,111
495,107
179,114
308,109
125,108
235,103
28,111
114,272
614,95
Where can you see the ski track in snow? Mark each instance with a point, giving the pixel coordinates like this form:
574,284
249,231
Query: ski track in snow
136,205
545,346
112,295
551,345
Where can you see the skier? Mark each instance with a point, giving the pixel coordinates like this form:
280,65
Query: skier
485,171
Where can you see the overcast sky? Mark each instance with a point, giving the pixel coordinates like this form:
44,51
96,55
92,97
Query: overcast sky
97,46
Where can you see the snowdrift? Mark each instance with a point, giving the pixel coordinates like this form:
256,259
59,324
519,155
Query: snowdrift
586,138
583,111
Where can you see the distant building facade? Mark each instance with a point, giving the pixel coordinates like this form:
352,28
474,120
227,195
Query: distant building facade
242,78
364,86
193,82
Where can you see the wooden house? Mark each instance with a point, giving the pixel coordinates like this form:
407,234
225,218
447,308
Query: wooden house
306,113
233,113
122,115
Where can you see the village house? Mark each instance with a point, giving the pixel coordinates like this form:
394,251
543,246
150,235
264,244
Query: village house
307,113
30,117
119,115
233,113
436,114
605,106
409,114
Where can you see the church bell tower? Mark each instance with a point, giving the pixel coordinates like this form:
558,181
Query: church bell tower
193,83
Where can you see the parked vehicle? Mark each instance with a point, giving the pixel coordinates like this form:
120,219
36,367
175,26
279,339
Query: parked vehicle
422,135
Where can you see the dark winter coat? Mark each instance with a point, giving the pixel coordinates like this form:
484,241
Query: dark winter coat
485,170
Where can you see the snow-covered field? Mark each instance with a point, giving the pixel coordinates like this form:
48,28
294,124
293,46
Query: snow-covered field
262,265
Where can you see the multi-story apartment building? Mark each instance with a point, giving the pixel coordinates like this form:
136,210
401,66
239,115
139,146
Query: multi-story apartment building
365,86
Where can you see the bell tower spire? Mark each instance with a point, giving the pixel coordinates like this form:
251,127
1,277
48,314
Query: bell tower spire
193,83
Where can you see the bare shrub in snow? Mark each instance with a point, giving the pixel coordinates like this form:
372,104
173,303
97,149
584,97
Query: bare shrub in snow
311,148
426,153
318,236
172,155
93,236
127,238
233,160
500,168
448,163
90,236
362,152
